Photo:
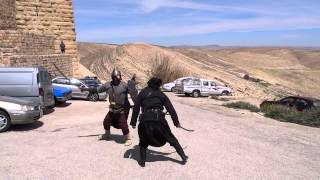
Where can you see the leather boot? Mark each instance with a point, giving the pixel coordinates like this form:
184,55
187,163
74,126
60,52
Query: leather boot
143,156
106,135
181,153
128,140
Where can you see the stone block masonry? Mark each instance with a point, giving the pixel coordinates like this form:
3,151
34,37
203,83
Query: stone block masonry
7,14
33,30
62,61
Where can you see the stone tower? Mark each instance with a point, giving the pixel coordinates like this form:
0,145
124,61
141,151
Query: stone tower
31,32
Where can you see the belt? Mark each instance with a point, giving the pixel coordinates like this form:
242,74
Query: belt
152,110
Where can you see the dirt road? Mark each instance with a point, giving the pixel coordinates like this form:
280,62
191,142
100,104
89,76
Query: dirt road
226,144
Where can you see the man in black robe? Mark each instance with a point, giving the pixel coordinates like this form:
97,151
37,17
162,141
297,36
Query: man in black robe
62,47
119,105
153,128
132,84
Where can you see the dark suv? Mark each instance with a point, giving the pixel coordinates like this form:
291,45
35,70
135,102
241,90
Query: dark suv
298,102
91,81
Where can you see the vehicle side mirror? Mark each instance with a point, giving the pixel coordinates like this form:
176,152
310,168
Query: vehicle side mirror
82,86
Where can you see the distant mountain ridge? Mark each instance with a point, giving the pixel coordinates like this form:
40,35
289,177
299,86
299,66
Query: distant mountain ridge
284,71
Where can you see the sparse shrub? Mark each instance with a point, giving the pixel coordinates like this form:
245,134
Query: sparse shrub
165,69
309,117
242,105
219,98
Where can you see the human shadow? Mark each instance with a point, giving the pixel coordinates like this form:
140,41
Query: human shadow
113,137
152,155
26,127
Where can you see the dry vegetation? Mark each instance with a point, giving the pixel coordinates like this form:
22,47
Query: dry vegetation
165,69
310,117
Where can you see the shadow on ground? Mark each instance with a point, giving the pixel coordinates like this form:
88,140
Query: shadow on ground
184,96
114,137
62,105
48,111
26,127
152,155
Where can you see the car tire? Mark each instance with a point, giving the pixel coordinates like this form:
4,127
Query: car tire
225,93
93,97
172,89
196,94
5,121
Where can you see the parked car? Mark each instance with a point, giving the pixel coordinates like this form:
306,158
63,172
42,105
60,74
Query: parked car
169,86
179,84
17,111
298,102
91,81
61,94
75,85
31,84
201,87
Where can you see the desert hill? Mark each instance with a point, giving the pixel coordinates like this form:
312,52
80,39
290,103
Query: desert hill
281,71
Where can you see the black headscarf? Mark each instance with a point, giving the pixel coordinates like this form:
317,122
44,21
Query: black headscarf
155,83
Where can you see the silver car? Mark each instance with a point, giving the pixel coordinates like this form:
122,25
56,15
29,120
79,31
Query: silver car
75,85
17,111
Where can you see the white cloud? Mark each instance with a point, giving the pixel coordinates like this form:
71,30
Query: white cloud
163,30
152,5
271,16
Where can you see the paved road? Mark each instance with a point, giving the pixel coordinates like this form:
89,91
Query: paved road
227,144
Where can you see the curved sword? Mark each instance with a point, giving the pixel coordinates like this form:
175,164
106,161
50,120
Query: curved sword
181,127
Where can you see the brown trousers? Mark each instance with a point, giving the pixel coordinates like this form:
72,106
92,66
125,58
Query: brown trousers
116,120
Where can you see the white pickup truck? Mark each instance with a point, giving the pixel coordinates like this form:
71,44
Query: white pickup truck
201,87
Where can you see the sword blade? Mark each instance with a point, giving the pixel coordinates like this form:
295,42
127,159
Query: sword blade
189,130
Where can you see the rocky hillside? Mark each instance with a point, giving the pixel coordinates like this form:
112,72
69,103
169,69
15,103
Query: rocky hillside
272,71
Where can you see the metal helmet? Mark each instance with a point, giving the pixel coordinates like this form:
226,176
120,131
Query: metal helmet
116,74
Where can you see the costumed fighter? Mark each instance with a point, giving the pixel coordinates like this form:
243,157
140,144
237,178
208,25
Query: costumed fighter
153,128
119,105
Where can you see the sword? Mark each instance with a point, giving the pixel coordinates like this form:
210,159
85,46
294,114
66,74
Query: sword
181,127
189,130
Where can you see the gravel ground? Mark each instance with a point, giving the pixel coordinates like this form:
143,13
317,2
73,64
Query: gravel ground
226,144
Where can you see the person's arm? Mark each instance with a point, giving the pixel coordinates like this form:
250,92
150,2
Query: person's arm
103,88
169,107
136,110
99,89
132,90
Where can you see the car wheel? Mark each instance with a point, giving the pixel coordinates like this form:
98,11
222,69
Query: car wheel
225,93
5,121
195,94
93,97
172,89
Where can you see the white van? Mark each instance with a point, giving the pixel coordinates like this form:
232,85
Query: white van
32,84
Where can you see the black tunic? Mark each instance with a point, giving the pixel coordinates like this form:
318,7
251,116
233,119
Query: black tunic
153,131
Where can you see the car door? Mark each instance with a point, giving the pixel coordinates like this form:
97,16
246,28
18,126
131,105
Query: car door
213,88
205,88
76,84
64,82
45,86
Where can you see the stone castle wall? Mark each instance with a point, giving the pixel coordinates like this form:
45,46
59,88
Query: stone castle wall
39,27
8,14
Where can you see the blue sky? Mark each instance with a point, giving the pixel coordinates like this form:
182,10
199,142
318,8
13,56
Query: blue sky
199,22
